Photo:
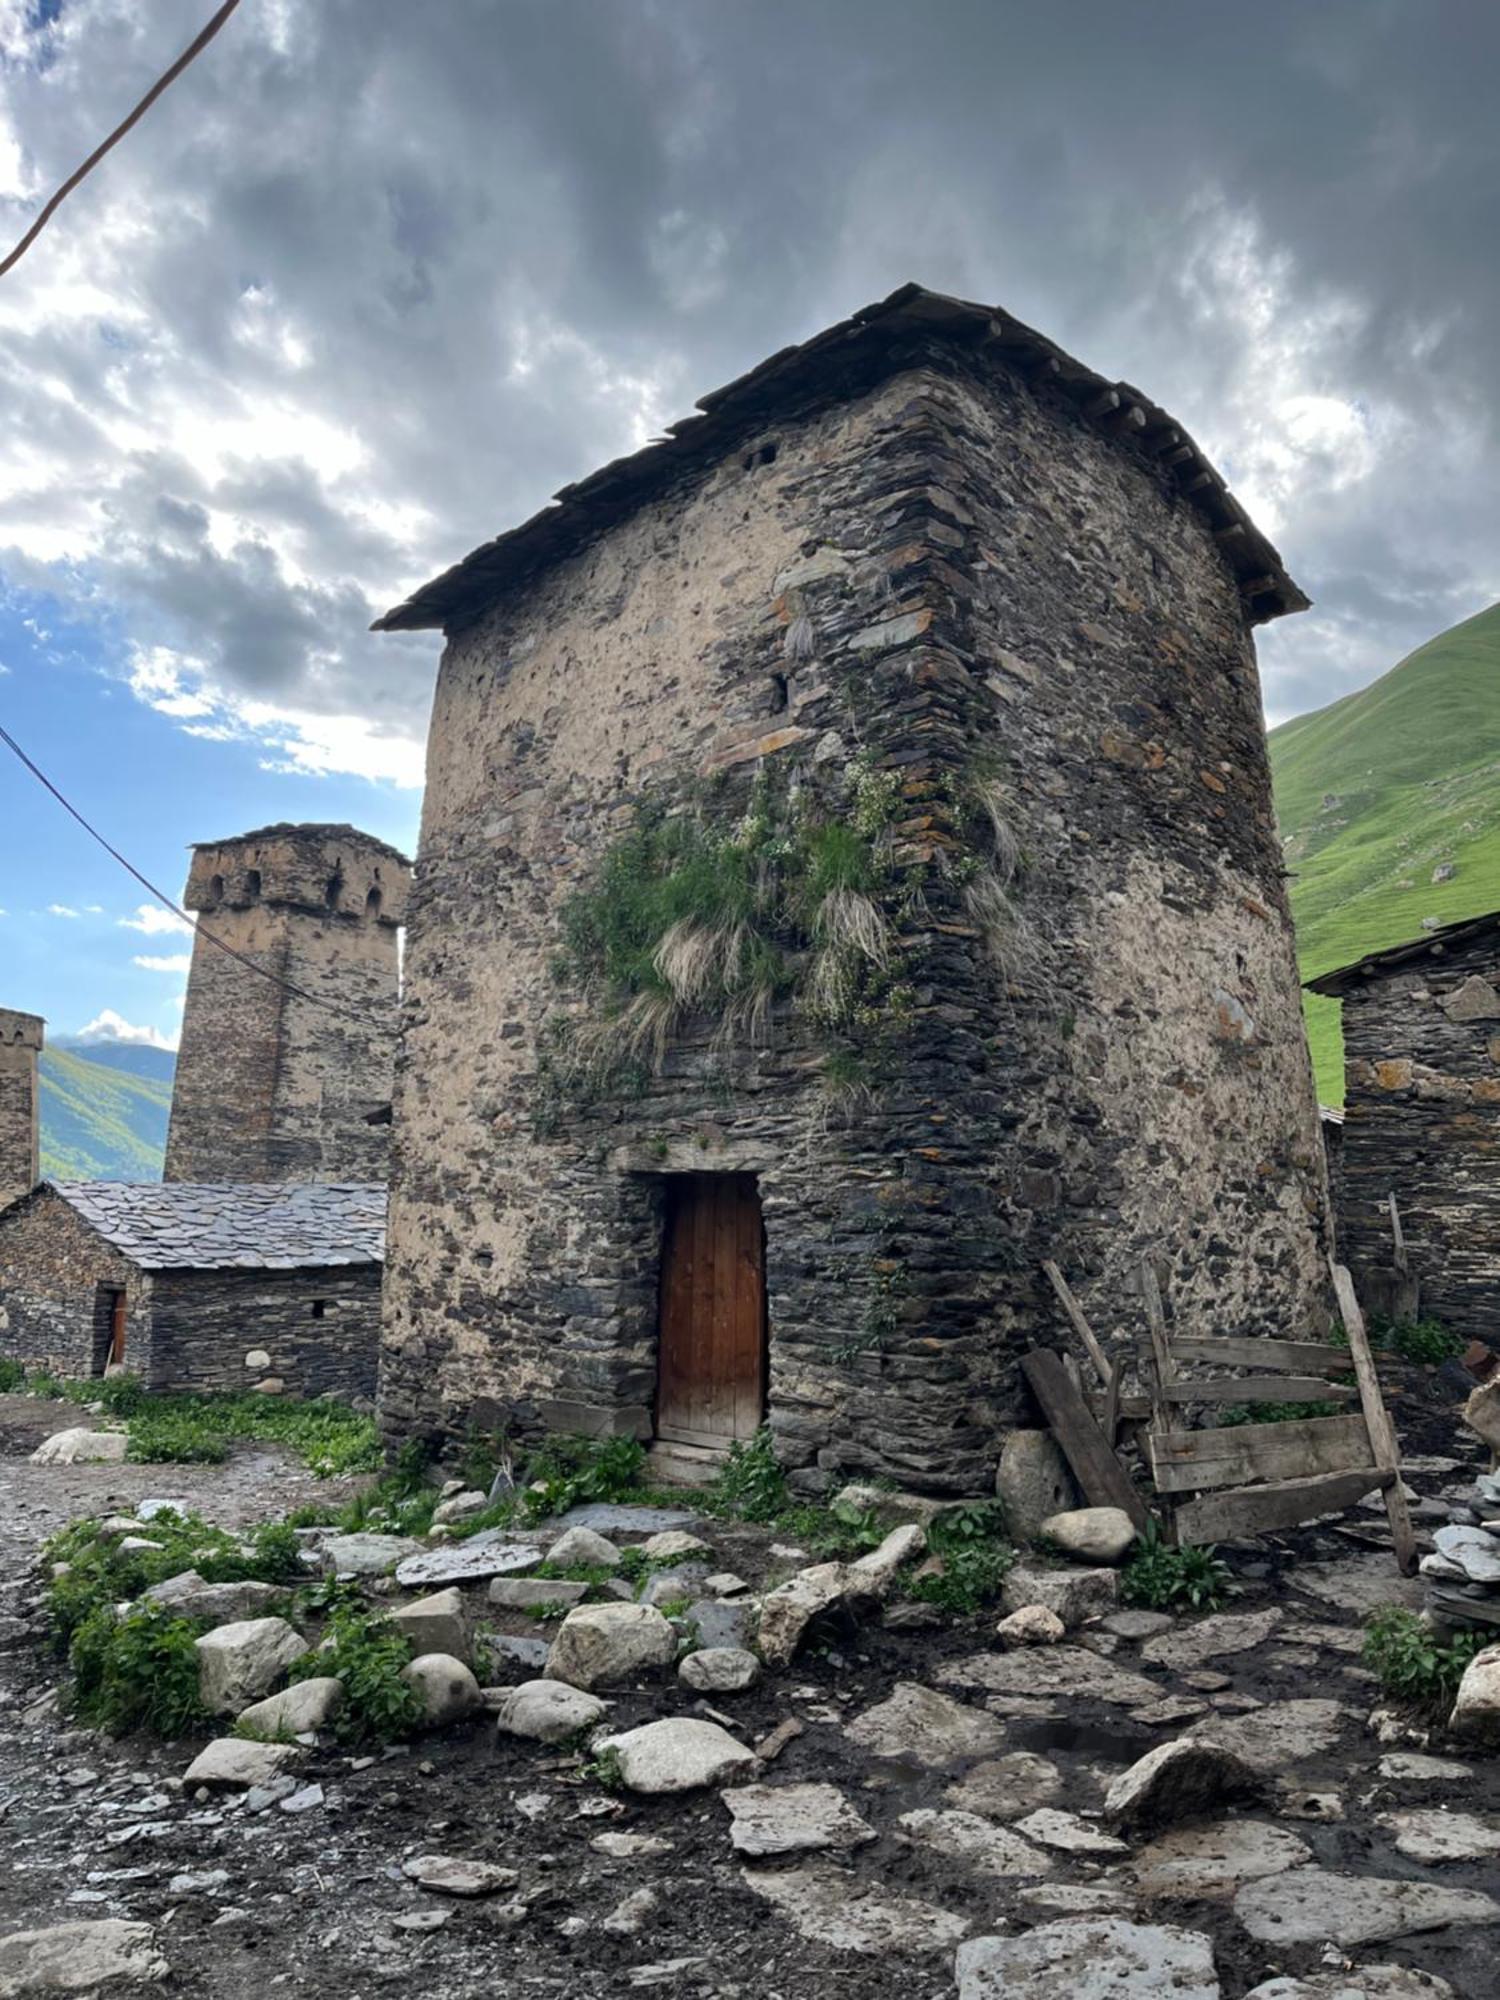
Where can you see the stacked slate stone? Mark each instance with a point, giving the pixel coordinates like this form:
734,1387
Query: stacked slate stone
1461,1579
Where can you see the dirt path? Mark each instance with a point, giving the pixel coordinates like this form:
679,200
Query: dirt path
316,1901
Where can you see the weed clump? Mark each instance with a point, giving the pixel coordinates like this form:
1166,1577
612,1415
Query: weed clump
363,1651
137,1671
1413,1663
1161,1578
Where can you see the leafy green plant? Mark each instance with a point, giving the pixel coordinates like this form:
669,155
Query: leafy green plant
367,1655
1413,1664
97,1573
972,1523
751,1485
139,1671
605,1769
1424,1340
12,1375
1159,1577
971,1576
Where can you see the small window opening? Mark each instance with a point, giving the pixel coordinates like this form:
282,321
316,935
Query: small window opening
335,889
764,454
252,882
372,903
780,693
319,1308
216,892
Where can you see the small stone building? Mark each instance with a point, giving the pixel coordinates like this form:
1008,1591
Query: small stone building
278,1078
1422,1120
196,1287
847,878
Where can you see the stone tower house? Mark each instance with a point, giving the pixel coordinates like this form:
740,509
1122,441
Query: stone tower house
848,878
277,1079
20,1146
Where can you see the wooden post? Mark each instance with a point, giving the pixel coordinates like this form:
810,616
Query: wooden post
1108,1371
1383,1446
1097,1470
1157,1368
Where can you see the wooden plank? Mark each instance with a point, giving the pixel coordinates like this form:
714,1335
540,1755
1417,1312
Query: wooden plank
1382,1431
1259,1389
1103,1366
1097,1470
673,1320
1160,1371
1236,1351
1253,1510
1193,1461
750,1314
1398,1238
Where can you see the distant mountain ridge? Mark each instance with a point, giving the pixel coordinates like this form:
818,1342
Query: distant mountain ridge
104,1108
1389,808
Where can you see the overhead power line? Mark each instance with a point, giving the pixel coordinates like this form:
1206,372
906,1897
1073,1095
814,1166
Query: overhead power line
195,47
198,930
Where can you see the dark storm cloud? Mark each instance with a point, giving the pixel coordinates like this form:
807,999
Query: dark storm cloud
374,279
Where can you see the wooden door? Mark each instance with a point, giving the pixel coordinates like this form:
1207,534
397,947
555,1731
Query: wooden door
711,1350
117,1311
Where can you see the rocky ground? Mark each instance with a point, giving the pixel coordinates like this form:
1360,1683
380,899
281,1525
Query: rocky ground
959,1796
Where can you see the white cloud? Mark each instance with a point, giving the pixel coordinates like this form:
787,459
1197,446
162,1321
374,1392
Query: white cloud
179,961
60,910
108,1026
154,920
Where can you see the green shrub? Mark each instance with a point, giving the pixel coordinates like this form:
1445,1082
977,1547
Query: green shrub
751,1485
1413,1664
45,1385
12,1376
99,1574
571,1472
137,1672
368,1656
976,1558
1425,1340
1161,1578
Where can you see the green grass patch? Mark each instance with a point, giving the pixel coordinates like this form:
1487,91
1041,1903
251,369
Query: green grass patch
1413,1664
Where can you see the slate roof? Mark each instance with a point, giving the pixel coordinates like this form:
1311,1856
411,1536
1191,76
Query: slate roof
1431,944
843,361
233,1225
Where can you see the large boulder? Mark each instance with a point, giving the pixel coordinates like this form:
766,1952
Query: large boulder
222,1603
299,1710
1032,1483
787,1611
582,1548
674,1545
547,1711
234,1763
434,1624
920,1725
598,1645
81,1446
1180,1780
91,1957
1365,1982
1092,1534
792,1819
719,1670
446,1689
239,1663
1476,1711
1032,1625
365,1554
878,1568
677,1755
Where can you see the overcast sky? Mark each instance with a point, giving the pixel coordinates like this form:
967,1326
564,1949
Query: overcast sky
375,277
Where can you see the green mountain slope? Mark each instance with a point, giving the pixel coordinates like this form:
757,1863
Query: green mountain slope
100,1123
1378,792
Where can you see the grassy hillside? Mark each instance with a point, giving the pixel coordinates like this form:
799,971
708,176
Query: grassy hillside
100,1123
1377,792
136,1058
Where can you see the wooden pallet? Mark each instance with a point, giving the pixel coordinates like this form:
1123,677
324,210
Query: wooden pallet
1220,1483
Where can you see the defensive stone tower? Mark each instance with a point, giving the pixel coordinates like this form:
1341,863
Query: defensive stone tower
20,1045
277,1077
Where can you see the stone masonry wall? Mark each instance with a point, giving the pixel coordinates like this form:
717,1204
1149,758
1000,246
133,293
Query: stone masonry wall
991,589
275,1081
20,1045
1422,1121
53,1271
313,1332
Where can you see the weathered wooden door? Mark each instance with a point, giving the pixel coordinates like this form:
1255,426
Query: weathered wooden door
711,1365
117,1311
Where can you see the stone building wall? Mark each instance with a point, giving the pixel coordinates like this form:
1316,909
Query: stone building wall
20,1046
1422,1121
981,586
276,1079
312,1332
55,1273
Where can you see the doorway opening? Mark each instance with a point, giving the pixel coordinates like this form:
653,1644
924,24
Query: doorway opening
712,1330
111,1314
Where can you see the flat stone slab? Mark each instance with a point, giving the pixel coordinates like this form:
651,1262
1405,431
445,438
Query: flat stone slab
1209,1863
1006,1787
79,1958
1282,1733
1089,1958
1209,1638
1432,1835
678,1755
1315,1905
1133,1624
1407,1767
81,1446
1052,1673
483,1555
455,1875
979,1843
1067,1833
365,1555
517,1650
790,1819
607,1518
1075,1899
235,1763
1363,1982
1358,1583
815,1901
921,1726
